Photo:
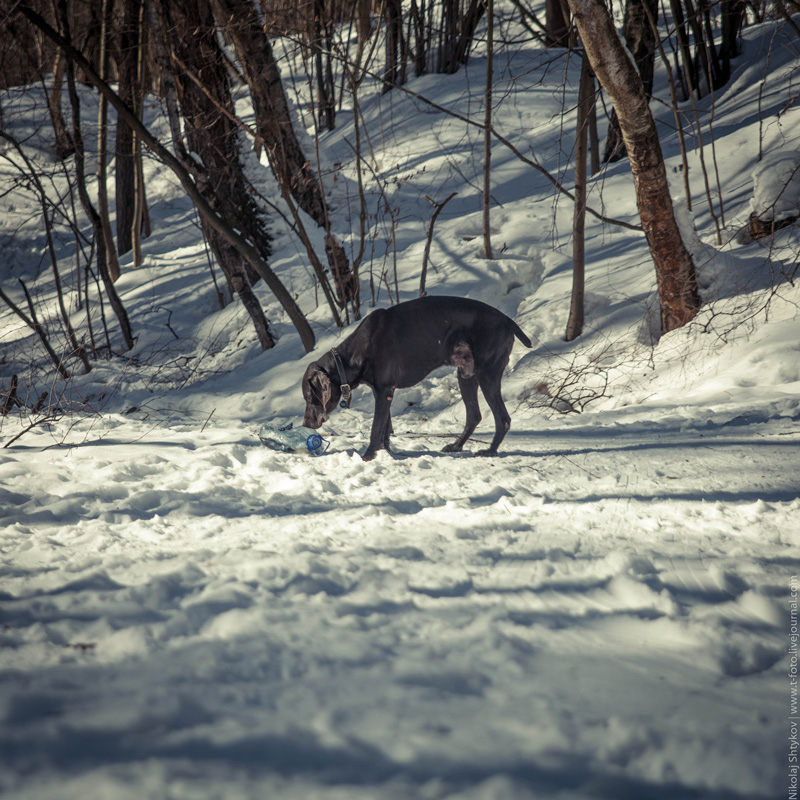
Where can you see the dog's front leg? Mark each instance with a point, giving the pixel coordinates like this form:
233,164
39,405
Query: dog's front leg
381,422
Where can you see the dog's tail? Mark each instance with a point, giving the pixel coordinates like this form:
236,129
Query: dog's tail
520,334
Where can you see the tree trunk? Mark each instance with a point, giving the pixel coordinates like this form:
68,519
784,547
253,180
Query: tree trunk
363,14
556,26
457,30
468,26
487,133
64,144
89,209
140,222
421,37
675,272
102,147
689,74
319,36
585,98
395,48
273,117
127,62
222,226
638,34
213,136
291,168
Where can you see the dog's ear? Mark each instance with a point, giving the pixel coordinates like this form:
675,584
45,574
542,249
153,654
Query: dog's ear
322,385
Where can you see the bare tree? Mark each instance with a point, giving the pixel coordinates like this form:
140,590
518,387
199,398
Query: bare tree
487,131
585,101
239,21
395,70
64,144
675,271
83,193
207,212
127,55
34,181
107,7
459,22
320,39
201,84
291,167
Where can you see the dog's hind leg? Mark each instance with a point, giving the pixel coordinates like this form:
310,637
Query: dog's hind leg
387,434
490,386
469,394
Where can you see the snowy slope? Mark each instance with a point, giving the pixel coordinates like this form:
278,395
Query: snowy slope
600,611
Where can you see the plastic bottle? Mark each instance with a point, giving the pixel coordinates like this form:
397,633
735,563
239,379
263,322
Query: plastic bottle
289,438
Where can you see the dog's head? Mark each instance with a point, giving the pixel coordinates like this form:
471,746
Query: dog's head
321,395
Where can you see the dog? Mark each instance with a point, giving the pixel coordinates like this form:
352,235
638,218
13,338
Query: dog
397,347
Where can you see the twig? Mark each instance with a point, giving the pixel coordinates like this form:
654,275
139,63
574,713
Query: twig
438,207
208,419
33,424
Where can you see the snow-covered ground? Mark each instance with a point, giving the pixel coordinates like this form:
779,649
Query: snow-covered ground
600,611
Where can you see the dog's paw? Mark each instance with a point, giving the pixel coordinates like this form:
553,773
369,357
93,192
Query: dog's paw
487,452
368,455
451,448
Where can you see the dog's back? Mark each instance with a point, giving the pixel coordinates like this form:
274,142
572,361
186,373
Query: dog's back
433,314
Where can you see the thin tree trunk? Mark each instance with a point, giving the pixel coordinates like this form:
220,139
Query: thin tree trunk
468,26
585,97
689,75
125,183
456,33
64,145
594,139
421,37
675,272
487,133
182,173
102,148
429,238
83,194
77,348
363,21
395,45
140,224
320,47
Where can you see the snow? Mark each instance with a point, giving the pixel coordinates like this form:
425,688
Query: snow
776,186
600,611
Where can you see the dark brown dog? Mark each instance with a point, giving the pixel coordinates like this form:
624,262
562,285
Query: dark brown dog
397,347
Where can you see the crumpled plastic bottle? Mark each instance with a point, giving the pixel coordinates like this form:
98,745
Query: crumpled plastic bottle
288,438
